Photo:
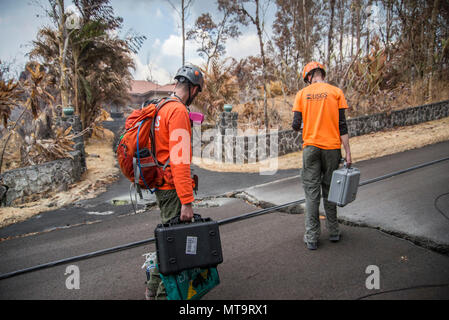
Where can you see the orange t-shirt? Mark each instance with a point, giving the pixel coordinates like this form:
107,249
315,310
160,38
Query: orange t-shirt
319,104
172,136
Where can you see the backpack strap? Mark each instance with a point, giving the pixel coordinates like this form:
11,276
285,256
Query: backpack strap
137,164
152,130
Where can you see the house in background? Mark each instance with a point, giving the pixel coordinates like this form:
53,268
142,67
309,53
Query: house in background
139,92
142,90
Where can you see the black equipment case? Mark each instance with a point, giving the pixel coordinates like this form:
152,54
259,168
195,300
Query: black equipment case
181,246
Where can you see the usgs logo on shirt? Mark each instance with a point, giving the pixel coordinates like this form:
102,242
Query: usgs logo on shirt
157,123
316,96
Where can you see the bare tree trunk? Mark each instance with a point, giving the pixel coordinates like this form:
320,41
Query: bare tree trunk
182,15
342,28
183,32
389,11
63,43
419,55
368,26
296,37
358,25
352,32
259,26
431,50
264,66
306,35
218,40
330,33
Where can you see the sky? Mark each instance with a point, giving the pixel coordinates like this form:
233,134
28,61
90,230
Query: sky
160,55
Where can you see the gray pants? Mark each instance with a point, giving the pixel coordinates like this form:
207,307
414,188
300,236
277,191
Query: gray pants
170,206
318,165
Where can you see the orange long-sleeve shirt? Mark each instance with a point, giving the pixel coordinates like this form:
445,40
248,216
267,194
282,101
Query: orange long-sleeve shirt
172,136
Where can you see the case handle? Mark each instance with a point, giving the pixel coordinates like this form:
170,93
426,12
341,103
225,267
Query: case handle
345,165
177,219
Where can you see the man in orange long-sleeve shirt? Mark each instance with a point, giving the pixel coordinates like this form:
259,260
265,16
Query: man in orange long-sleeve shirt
172,136
172,133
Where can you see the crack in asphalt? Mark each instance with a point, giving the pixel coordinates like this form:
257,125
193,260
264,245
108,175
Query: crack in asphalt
50,230
210,201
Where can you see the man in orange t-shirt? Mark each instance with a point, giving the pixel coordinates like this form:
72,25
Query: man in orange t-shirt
321,107
172,134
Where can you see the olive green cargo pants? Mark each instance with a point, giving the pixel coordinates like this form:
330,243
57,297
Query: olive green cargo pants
318,165
170,207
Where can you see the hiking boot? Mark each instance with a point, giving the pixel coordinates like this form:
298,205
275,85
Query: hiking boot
312,245
334,238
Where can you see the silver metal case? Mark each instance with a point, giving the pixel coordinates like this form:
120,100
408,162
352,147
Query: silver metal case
344,185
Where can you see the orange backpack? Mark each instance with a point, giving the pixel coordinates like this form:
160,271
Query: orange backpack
136,152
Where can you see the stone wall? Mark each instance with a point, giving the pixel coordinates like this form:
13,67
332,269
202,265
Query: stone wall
30,183
251,148
398,118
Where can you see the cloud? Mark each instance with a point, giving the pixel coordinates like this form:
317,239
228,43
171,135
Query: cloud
172,46
156,44
246,45
165,58
151,71
133,4
159,13
166,61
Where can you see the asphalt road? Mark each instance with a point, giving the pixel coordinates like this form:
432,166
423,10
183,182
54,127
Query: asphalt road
413,205
102,207
264,257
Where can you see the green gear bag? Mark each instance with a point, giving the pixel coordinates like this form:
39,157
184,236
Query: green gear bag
190,284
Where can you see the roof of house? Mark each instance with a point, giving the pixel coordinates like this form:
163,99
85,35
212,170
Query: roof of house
141,87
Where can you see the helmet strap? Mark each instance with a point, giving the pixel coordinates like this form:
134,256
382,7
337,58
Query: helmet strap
312,73
191,98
